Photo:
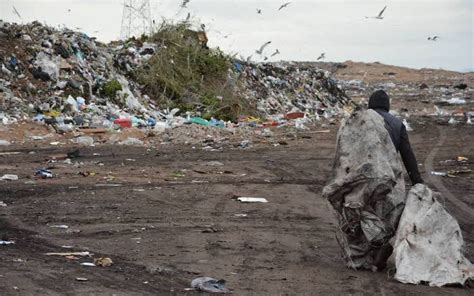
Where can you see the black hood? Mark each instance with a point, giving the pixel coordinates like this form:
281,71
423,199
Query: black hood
379,100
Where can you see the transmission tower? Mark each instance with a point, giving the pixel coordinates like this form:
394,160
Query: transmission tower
136,18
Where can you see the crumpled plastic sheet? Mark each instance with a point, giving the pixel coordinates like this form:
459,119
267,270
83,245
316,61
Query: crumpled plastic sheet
209,285
429,243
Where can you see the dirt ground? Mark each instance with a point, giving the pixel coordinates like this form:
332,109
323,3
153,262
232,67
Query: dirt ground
168,214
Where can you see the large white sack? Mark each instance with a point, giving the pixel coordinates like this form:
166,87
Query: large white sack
428,246
366,188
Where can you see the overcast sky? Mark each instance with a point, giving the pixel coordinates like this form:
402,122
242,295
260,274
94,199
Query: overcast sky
302,31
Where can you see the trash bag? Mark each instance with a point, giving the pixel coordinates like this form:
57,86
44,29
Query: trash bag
366,189
429,243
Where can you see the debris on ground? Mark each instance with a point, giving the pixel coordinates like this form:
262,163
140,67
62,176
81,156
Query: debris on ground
103,261
209,285
6,242
252,199
429,243
90,264
44,174
9,177
85,253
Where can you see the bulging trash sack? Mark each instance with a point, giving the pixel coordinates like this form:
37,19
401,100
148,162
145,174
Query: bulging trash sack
366,189
429,243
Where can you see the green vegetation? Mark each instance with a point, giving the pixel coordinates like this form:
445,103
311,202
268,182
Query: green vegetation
111,88
186,74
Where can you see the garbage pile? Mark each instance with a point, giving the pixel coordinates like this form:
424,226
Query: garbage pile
285,88
68,80
450,103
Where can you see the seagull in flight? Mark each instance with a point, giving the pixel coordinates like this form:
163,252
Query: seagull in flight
284,5
262,48
275,53
379,16
322,56
259,11
185,2
16,12
434,38
188,17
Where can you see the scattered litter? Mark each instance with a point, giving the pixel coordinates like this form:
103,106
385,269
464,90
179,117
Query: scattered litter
209,285
62,226
2,204
87,264
252,199
240,215
103,261
462,159
459,172
82,279
10,153
443,174
9,177
108,185
44,174
70,254
456,101
4,143
6,242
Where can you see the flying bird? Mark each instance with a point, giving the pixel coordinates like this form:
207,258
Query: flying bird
262,48
275,53
284,5
322,56
379,16
249,58
69,10
185,2
16,12
259,11
434,38
188,17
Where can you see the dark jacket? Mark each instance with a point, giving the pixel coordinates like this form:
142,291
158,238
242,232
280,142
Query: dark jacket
380,103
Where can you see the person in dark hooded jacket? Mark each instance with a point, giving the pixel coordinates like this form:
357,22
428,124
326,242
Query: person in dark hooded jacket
380,102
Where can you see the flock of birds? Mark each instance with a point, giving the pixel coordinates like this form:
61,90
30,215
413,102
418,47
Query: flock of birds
260,51
262,48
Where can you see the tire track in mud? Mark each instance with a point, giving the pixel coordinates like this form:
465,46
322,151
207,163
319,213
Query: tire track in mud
438,184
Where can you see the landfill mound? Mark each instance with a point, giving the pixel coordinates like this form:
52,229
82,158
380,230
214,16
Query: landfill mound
367,189
429,243
69,80
281,88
